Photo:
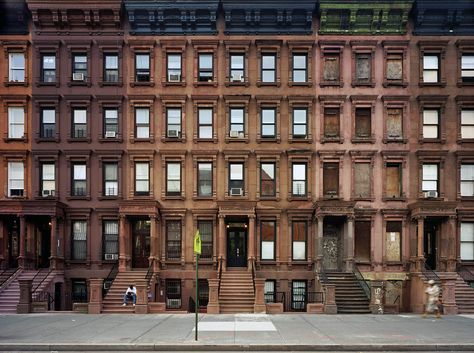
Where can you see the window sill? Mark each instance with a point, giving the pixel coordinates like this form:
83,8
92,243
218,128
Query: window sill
363,140
268,262
395,84
461,141
331,197
107,83
300,84
332,140
13,83
300,140
197,140
371,199
393,263
24,197
108,140
12,139
236,139
298,198
171,84
106,198
136,140
54,198
363,84
46,84
202,83
172,197
236,198
438,140
77,262
109,262
268,139
394,140
173,139
363,262
269,198
245,83
466,198
73,139
336,83
438,199
432,84
85,198
142,197
275,84
398,199
142,84
73,83
204,198
463,84
47,139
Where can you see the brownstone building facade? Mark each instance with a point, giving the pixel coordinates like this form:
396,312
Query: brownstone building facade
301,140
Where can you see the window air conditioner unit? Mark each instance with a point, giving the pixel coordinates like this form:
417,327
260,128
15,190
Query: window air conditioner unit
16,192
174,78
78,76
431,193
236,192
237,78
47,193
110,134
111,256
234,134
173,133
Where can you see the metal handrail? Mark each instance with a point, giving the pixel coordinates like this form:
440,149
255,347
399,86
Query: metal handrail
7,278
254,273
430,274
109,279
44,278
466,274
362,282
219,276
323,276
315,297
149,274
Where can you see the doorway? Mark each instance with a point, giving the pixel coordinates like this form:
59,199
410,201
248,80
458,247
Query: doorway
332,252
237,245
43,244
12,229
140,243
431,230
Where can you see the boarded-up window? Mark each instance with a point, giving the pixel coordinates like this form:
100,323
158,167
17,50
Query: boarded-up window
363,68
362,180
331,68
362,240
394,123
362,122
331,179
393,180
331,122
394,67
393,235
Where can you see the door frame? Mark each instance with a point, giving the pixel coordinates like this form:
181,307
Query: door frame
236,229
431,243
338,225
143,236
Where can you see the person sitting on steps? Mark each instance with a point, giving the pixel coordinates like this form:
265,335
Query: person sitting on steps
130,294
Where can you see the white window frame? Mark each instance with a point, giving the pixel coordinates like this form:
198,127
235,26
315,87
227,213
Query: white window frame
14,70
16,178
16,120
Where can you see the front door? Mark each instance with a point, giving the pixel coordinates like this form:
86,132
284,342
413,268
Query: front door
141,243
331,246
43,245
429,244
236,247
13,235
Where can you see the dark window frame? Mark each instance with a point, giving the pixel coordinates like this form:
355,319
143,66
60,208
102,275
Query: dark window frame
176,244
273,181
207,245
51,132
237,71
168,180
142,72
263,70
207,124
199,180
437,70
108,126
137,125
293,194
203,73
111,72
47,70
242,181
179,127
305,69
141,193
105,240
173,71
75,242
105,193
43,180
79,130
305,124
75,190
263,124
237,123
76,66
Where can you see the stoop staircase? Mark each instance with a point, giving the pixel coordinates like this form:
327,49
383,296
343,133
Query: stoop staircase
464,297
112,303
236,293
350,297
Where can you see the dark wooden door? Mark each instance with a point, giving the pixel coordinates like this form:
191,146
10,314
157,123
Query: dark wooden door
236,247
43,245
331,247
141,243
430,245
13,234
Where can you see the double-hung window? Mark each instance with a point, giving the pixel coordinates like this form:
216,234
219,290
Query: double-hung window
300,123
79,67
204,179
237,122
16,67
237,68
48,68
110,122
268,236
110,179
467,124
142,67
205,67
48,122
16,122
268,68
236,179
299,239
16,179
173,122
111,68
467,180
430,181
299,177
142,123
300,68
79,180
142,178
467,68
79,123
173,179
174,67
268,116
267,180
173,240
430,68
205,123
79,240
48,182
431,123
467,241
205,230
110,233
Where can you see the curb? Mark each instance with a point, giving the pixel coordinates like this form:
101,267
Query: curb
233,347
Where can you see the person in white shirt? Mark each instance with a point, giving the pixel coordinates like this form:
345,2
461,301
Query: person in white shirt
130,293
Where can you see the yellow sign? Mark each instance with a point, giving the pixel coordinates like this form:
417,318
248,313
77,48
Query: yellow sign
197,243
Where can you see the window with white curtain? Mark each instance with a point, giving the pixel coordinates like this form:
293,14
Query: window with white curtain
299,230
48,183
16,179
173,178
110,240
79,180
110,179
142,123
79,240
467,68
79,123
142,180
467,241
16,122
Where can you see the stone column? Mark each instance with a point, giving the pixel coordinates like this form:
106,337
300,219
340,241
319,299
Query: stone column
95,300
259,304
330,306
251,244
420,256
452,245
222,241
154,252
54,244
350,244
213,304
142,297
376,297
319,244
21,257
122,244
24,305
449,295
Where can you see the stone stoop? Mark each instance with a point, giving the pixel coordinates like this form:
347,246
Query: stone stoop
464,297
350,297
112,303
236,293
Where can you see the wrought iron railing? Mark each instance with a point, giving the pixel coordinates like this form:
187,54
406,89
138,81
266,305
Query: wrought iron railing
430,274
362,282
254,273
466,274
42,280
149,274
109,279
298,302
6,274
219,276
43,296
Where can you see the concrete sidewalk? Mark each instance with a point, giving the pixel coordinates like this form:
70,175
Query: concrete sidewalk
240,332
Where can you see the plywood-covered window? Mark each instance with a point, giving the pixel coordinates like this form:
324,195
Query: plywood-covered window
393,241
363,127
363,68
331,123
362,241
394,180
331,68
394,123
394,67
362,180
331,179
